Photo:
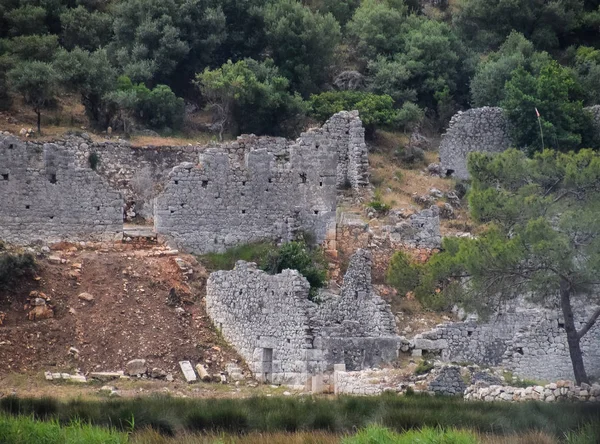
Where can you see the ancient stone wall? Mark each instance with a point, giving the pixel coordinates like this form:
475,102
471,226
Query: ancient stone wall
482,130
260,188
285,337
477,129
45,195
527,339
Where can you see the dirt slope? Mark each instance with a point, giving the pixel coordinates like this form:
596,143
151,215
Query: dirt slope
127,319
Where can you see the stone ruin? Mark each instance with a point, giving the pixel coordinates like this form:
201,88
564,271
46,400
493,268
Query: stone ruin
285,337
200,198
45,195
483,129
525,338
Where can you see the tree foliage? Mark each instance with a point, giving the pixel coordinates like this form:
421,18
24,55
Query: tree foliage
302,43
555,94
542,238
249,96
487,85
36,81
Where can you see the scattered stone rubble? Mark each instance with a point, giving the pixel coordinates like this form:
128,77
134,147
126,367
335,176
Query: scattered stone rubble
555,392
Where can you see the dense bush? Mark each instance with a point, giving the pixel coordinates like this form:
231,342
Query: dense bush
376,111
14,266
403,273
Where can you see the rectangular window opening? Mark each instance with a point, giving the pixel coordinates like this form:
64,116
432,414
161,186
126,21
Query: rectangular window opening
316,211
5,177
176,182
52,178
243,211
26,207
204,183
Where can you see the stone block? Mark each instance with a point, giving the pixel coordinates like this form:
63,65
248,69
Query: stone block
188,371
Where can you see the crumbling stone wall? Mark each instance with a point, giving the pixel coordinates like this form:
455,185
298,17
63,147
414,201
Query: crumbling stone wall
260,188
529,340
46,196
481,130
285,337
477,129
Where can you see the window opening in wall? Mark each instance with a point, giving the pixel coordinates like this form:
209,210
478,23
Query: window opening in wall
241,291
519,350
243,211
52,178
176,182
216,241
303,177
561,324
97,208
316,211
5,177
266,189
51,217
204,183
320,184
449,173
469,333
11,146
270,180
288,340
242,194
26,207
243,183
172,211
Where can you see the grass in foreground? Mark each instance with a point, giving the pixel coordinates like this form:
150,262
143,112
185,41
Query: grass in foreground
25,430
175,417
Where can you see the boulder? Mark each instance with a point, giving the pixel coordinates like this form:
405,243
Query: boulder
136,367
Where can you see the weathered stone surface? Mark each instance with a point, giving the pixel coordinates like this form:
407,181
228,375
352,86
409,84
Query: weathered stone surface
136,367
284,337
525,338
202,373
260,188
86,297
188,371
478,129
106,376
46,196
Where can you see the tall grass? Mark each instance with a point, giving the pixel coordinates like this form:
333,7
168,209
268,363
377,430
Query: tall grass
343,415
26,430
255,252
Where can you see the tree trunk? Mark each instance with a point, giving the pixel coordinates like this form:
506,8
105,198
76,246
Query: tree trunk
572,335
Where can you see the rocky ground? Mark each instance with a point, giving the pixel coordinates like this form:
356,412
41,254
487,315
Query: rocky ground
94,308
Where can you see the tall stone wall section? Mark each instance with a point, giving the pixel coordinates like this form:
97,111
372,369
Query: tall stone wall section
263,188
285,337
527,339
46,196
477,129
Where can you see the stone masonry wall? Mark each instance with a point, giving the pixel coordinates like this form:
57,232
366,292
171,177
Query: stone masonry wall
482,130
527,339
285,337
46,196
477,129
260,188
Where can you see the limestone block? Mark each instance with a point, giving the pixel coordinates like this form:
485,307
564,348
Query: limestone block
188,371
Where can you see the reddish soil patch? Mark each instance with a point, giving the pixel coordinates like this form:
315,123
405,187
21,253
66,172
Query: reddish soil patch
128,318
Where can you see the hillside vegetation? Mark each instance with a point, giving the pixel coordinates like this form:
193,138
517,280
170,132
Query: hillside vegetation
268,66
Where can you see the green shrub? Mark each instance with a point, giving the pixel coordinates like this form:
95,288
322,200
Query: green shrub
376,111
254,252
379,206
299,256
93,160
403,273
588,434
410,155
381,435
15,266
423,367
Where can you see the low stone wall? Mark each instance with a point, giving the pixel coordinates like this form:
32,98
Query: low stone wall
555,392
525,338
46,196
